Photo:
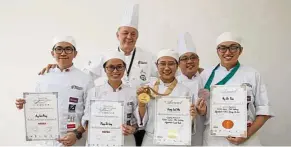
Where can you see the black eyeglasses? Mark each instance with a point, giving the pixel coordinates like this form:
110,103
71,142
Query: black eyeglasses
67,50
187,58
231,48
163,64
111,68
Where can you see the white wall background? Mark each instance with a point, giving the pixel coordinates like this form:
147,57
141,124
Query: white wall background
27,27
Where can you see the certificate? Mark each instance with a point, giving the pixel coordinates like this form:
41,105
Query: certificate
228,111
41,116
105,120
173,121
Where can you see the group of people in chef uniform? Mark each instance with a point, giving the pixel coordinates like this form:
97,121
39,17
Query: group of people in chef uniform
127,71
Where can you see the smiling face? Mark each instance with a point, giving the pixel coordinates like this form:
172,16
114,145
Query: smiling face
189,64
127,37
167,67
64,53
114,69
229,52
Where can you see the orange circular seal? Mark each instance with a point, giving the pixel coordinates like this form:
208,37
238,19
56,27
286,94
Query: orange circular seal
227,124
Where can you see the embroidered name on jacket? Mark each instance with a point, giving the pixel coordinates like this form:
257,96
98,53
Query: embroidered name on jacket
248,85
129,103
142,62
76,87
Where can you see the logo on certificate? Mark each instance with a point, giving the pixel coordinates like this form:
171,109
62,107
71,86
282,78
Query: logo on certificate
227,124
172,134
41,101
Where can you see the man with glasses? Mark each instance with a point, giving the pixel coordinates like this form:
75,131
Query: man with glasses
139,62
190,77
230,72
188,61
72,85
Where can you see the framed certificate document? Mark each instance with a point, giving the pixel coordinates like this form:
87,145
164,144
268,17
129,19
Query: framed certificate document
173,121
41,116
105,120
228,111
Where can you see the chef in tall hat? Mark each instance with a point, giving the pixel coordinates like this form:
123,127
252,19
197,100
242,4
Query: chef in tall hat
190,77
167,84
188,57
139,62
231,72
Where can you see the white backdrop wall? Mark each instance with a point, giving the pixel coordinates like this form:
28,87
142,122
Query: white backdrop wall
27,28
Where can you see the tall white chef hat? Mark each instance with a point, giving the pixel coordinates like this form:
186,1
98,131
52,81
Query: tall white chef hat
130,16
185,44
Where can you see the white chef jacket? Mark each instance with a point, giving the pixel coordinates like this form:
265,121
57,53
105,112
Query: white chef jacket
194,84
103,91
143,67
149,118
71,85
258,101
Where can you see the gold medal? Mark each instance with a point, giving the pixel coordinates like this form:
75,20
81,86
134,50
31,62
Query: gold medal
147,94
144,98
